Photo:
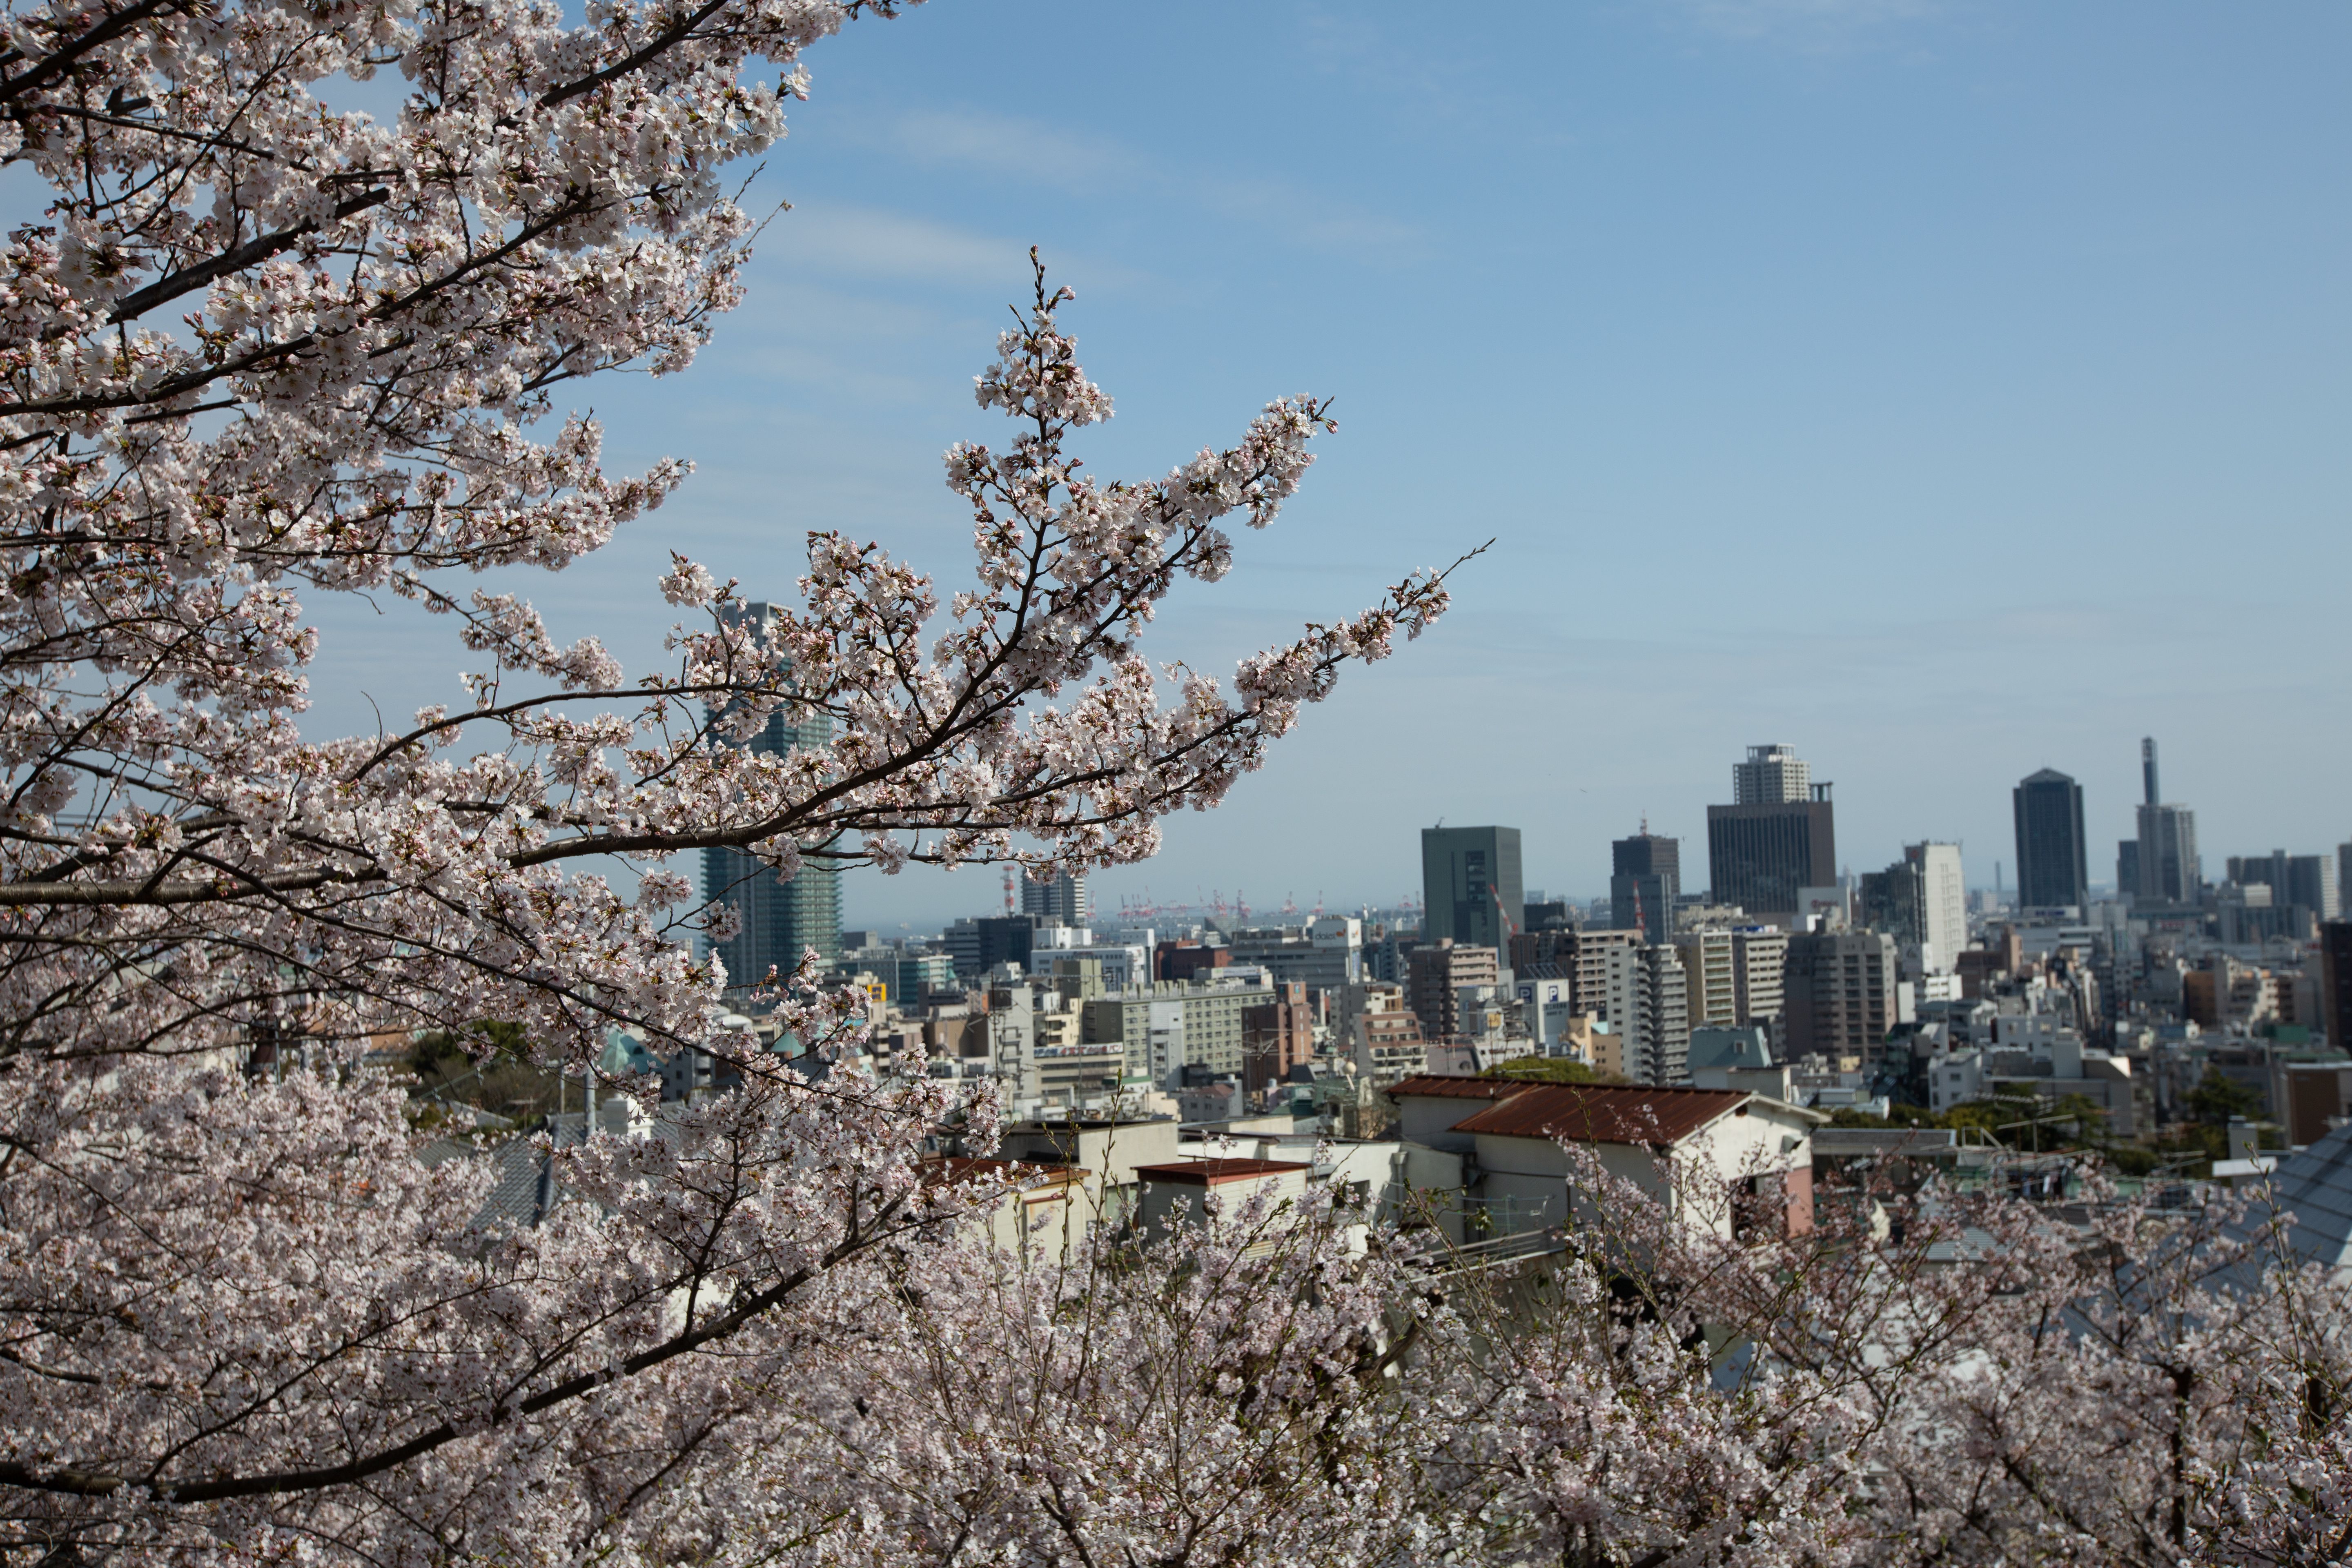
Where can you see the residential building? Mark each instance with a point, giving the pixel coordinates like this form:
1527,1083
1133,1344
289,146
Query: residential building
1840,994
1725,1161
1060,900
1708,971
1277,1034
1579,955
1437,974
1645,1000
2053,855
1471,887
1646,883
1759,962
1764,849
1381,1032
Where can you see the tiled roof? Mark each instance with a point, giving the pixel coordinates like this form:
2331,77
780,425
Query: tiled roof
1212,1172
2315,1188
1605,1113
1449,1088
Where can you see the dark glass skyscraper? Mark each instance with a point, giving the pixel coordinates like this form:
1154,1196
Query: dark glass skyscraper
1645,878
1471,887
776,921
2053,858
1777,838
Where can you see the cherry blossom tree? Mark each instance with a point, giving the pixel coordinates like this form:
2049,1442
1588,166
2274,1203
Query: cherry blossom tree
260,346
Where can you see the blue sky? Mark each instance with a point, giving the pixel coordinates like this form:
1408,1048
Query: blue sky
1945,389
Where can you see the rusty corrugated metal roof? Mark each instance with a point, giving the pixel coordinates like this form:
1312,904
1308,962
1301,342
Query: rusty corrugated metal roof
1211,1172
1448,1088
1605,1113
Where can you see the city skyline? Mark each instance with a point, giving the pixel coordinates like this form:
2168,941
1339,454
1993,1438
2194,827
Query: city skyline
1905,350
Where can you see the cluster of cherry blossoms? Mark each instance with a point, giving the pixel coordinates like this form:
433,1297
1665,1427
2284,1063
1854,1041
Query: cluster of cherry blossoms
259,346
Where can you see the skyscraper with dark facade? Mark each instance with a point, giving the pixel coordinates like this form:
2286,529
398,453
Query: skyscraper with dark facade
2052,856
776,921
1645,878
1471,887
1779,838
2169,870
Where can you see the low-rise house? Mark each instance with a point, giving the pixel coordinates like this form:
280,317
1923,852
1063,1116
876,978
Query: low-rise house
1695,1150
1184,1187
1046,1206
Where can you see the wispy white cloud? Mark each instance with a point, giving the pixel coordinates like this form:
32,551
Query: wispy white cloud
868,242
1010,148
1032,151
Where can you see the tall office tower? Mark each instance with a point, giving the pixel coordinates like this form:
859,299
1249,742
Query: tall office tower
1771,776
1840,994
1759,964
2052,865
1470,886
2169,868
1061,902
1645,878
776,921
1777,838
2126,868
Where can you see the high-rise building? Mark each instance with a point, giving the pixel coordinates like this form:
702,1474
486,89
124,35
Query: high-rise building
1840,994
1645,880
2169,868
2053,863
1062,900
775,921
1577,954
1922,902
1646,1001
1771,776
2307,880
2336,982
2126,868
1777,838
1438,972
1471,889
1710,986
1759,964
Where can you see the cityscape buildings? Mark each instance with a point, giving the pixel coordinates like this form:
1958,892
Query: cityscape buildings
2052,856
1061,900
1646,883
2166,858
1875,992
1775,840
1471,889
775,921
